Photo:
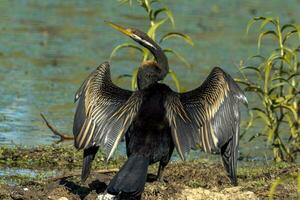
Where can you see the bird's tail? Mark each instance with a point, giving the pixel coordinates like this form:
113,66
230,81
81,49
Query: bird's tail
131,178
88,157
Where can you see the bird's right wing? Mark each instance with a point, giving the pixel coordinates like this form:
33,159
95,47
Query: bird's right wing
104,111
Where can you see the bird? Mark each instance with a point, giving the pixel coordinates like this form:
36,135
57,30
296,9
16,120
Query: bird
154,119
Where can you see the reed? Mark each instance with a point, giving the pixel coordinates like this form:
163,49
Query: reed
157,17
273,77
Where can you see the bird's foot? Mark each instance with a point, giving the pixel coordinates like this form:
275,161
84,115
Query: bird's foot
107,196
151,178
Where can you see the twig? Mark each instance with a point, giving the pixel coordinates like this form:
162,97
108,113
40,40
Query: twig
55,131
78,173
106,171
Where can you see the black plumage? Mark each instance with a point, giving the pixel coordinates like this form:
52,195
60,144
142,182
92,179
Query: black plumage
154,119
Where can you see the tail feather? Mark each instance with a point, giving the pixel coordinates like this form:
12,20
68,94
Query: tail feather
131,178
88,157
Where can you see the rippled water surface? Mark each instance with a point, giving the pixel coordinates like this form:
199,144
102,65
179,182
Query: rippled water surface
48,47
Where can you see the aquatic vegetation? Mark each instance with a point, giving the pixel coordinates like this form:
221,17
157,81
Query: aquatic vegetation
274,79
155,19
45,157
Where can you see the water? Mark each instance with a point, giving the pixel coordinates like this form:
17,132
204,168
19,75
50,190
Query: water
11,173
47,48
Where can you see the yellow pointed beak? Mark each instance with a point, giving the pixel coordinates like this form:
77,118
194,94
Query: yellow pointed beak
126,31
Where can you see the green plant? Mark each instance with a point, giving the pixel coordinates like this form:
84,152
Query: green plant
157,17
282,181
275,81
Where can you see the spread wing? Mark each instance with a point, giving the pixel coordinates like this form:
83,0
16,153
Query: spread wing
206,117
104,111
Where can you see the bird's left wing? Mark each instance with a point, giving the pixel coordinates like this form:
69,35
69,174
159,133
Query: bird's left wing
104,111
206,117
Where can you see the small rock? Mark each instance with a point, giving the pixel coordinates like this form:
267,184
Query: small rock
106,196
63,198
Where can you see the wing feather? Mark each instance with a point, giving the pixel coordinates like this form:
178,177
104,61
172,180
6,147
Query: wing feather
208,115
104,111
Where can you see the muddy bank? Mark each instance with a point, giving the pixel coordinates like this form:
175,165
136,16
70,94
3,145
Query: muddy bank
198,179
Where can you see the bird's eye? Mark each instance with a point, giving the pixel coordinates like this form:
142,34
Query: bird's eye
156,68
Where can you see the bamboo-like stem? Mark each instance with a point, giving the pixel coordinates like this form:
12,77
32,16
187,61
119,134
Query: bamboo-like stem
279,33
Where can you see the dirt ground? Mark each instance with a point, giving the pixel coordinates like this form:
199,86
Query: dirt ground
198,179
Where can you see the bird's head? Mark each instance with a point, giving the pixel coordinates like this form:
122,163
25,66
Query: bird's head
149,71
137,35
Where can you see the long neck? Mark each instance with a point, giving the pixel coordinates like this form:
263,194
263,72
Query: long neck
160,58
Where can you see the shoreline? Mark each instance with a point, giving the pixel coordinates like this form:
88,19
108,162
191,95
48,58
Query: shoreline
201,179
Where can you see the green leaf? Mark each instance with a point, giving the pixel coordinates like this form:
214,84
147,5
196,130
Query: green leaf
276,56
295,27
279,78
268,68
242,82
262,114
275,86
153,28
250,68
168,13
180,57
286,82
266,22
261,35
254,88
175,79
134,79
187,38
258,56
288,35
125,1
289,51
255,69
125,45
293,75
285,26
252,21
155,1
290,108
255,136
145,5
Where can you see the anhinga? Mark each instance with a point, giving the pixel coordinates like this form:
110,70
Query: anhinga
154,119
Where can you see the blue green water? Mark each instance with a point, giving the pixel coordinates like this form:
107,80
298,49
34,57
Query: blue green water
48,47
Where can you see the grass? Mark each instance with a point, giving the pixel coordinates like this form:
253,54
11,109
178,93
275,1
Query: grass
49,157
